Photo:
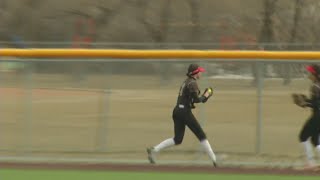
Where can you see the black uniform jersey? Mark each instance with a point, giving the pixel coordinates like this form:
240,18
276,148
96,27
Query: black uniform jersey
189,94
314,101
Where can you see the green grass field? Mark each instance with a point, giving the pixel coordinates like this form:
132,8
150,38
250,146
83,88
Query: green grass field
10,174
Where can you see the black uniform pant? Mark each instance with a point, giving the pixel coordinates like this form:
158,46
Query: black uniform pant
311,129
183,117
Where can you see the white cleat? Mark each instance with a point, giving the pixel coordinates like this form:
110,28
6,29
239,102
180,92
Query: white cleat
151,158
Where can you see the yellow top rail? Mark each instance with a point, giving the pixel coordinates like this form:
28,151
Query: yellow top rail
158,54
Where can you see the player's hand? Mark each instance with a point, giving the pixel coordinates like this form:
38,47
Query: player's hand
208,92
299,99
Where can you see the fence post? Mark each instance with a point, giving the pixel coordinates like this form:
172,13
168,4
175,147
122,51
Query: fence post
28,123
260,79
103,123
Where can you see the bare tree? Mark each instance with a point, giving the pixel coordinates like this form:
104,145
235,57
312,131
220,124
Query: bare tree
286,71
296,20
32,3
194,10
267,29
157,32
23,21
312,9
266,35
3,5
100,13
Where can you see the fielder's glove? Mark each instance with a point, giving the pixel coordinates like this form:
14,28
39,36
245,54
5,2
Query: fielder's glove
300,100
210,92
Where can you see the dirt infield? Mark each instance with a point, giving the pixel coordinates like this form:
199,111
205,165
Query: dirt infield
160,168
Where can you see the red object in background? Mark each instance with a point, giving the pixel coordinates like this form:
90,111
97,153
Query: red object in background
84,32
227,43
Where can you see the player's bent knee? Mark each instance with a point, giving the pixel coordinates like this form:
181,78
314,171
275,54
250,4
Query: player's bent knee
315,141
303,138
202,136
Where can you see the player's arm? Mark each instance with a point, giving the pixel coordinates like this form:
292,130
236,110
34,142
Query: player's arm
194,90
309,102
198,99
314,101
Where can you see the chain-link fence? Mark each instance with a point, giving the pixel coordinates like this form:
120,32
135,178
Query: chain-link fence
113,109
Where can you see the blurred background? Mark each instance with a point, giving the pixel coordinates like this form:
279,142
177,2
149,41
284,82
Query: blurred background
211,23
110,110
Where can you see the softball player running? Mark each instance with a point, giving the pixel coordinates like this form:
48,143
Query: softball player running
311,128
183,116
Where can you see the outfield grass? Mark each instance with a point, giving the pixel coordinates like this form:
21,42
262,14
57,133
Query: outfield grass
101,175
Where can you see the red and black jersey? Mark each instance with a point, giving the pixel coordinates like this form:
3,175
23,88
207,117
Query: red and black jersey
314,101
189,94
